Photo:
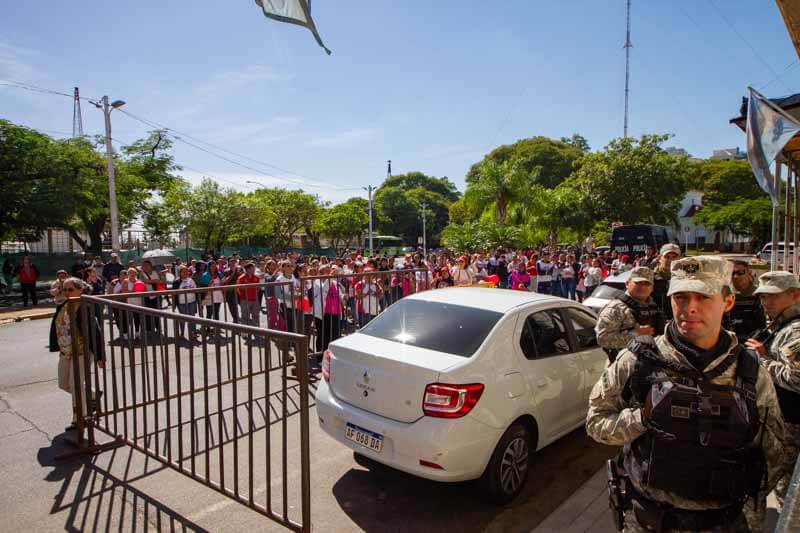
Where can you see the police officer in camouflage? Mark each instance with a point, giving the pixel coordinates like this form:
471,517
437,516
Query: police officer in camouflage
669,252
697,416
778,348
747,315
629,315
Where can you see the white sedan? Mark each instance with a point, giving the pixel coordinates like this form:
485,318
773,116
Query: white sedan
464,383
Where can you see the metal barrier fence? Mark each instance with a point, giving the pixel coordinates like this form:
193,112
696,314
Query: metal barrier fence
225,404
323,308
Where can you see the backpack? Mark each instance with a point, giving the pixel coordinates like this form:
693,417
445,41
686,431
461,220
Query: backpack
332,300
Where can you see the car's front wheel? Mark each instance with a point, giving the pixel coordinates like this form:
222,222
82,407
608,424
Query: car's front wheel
507,470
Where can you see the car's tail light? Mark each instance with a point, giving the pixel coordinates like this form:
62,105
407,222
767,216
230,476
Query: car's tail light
326,366
443,400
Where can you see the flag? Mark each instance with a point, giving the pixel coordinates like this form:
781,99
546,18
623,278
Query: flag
292,11
769,128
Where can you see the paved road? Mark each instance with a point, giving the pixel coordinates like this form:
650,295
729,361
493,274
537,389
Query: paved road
125,491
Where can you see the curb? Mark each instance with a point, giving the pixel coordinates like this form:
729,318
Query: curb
37,316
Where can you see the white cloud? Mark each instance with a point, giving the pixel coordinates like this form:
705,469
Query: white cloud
14,62
239,181
223,82
345,137
259,132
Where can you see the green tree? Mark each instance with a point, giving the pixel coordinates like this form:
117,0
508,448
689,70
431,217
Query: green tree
748,217
65,182
289,212
395,212
498,185
341,223
548,162
578,141
631,180
417,180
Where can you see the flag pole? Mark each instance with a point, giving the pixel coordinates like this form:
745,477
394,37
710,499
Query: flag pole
776,221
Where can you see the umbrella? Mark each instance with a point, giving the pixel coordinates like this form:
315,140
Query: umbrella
159,257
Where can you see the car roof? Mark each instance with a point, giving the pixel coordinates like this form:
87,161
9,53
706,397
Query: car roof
622,277
499,300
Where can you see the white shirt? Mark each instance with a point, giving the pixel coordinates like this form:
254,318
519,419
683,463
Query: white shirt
369,298
128,288
189,297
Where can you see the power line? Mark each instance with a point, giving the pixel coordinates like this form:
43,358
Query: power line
745,41
181,136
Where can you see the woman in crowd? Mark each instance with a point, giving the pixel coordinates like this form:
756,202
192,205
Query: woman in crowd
127,285
27,275
462,273
594,276
520,279
443,278
213,299
187,302
57,287
569,274
61,340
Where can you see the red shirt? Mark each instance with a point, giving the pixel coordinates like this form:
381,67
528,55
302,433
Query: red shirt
27,275
249,294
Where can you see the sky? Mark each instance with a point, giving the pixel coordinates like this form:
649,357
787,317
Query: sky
433,86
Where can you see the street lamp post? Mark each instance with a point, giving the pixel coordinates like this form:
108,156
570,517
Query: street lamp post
424,233
112,184
369,195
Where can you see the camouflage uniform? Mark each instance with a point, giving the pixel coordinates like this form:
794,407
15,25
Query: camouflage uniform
783,362
615,326
617,322
614,421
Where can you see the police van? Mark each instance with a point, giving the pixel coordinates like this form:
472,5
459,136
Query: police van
634,239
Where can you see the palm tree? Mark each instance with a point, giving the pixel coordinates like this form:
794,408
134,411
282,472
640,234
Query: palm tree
499,184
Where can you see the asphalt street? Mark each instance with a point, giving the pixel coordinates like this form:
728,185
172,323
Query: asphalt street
124,490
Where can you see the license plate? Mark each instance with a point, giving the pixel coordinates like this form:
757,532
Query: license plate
364,437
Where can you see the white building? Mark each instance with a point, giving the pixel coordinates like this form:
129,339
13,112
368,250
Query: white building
697,235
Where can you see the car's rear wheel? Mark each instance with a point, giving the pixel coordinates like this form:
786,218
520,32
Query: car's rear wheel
507,471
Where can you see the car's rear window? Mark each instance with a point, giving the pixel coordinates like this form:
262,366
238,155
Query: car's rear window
448,328
606,292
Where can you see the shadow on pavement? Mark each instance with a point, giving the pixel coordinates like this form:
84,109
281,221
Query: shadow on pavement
96,500
383,499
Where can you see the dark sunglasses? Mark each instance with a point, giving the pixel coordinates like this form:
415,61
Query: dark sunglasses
739,272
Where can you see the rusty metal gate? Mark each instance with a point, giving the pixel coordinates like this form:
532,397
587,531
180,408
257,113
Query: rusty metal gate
225,404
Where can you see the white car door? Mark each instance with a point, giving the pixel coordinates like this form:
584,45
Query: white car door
594,358
554,374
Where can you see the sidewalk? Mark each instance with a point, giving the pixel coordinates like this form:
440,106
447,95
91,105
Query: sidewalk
18,314
587,511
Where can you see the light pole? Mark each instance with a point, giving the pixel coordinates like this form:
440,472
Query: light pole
424,235
369,195
112,184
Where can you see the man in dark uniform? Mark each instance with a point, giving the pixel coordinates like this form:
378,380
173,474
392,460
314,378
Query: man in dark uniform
747,315
697,415
631,314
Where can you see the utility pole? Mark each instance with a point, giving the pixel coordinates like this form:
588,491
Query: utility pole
627,47
369,193
424,235
77,118
112,187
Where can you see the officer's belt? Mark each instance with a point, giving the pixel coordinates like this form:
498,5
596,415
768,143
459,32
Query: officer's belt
657,516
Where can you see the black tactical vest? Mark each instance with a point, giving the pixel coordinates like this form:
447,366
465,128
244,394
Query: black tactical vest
698,443
646,314
746,317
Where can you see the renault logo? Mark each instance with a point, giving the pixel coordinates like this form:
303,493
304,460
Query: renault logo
366,377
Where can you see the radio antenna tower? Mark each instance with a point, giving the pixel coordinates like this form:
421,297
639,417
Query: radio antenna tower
77,118
627,47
